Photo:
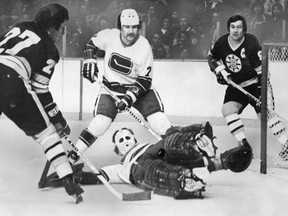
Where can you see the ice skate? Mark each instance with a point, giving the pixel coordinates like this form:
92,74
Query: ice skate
72,188
53,180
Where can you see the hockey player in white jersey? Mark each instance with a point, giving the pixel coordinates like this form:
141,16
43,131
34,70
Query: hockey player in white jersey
128,73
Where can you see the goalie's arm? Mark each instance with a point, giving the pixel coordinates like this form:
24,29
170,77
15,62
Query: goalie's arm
111,173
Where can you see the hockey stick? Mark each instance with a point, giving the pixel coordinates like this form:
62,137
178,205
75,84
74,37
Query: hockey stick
117,99
275,121
144,195
249,95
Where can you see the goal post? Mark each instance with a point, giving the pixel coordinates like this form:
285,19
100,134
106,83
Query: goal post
272,53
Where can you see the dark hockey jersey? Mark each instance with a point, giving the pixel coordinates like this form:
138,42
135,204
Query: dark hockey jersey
32,53
243,62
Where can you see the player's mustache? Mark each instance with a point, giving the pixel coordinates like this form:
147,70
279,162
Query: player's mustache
131,34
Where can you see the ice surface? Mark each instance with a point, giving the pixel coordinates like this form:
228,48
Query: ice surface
227,194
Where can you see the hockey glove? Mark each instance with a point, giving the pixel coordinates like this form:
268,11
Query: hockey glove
128,99
90,69
237,159
222,75
125,102
57,119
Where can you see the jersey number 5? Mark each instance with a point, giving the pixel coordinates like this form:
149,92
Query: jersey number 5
28,38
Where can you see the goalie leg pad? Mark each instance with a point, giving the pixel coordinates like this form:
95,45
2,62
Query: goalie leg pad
171,180
278,129
181,148
206,145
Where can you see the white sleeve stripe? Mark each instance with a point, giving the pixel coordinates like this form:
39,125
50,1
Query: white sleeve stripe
20,65
219,68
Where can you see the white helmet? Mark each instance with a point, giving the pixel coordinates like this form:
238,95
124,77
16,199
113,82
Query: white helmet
129,17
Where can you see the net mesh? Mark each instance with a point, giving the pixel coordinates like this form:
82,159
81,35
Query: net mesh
278,53
277,57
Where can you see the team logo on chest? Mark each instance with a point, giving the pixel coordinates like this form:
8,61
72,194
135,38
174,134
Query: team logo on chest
120,64
233,63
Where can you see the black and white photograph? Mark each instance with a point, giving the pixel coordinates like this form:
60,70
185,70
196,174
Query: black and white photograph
143,107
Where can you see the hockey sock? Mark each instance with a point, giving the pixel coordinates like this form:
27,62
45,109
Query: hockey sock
236,126
86,139
54,151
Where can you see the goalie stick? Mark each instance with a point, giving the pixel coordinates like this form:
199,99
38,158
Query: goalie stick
144,195
117,99
274,121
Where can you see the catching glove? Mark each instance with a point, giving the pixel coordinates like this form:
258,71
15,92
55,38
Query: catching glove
222,75
128,99
57,119
237,159
90,69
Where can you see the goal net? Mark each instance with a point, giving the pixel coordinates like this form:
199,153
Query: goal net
274,102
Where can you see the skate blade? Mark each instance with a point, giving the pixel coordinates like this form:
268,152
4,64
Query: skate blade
78,198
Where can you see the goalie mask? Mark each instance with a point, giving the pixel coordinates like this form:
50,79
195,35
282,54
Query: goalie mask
124,140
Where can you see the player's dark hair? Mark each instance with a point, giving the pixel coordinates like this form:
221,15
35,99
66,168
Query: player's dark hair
51,16
236,18
118,25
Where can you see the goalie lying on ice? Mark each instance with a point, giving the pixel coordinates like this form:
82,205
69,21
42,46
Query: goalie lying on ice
167,166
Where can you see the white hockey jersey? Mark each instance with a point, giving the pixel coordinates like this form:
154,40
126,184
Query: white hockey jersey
120,173
124,64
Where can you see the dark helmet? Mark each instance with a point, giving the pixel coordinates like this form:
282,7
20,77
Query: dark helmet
236,18
51,15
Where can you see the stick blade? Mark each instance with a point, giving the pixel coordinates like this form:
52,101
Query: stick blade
145,195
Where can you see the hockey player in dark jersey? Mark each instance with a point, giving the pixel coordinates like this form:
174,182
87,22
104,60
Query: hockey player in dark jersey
28,55
237,56
165,167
